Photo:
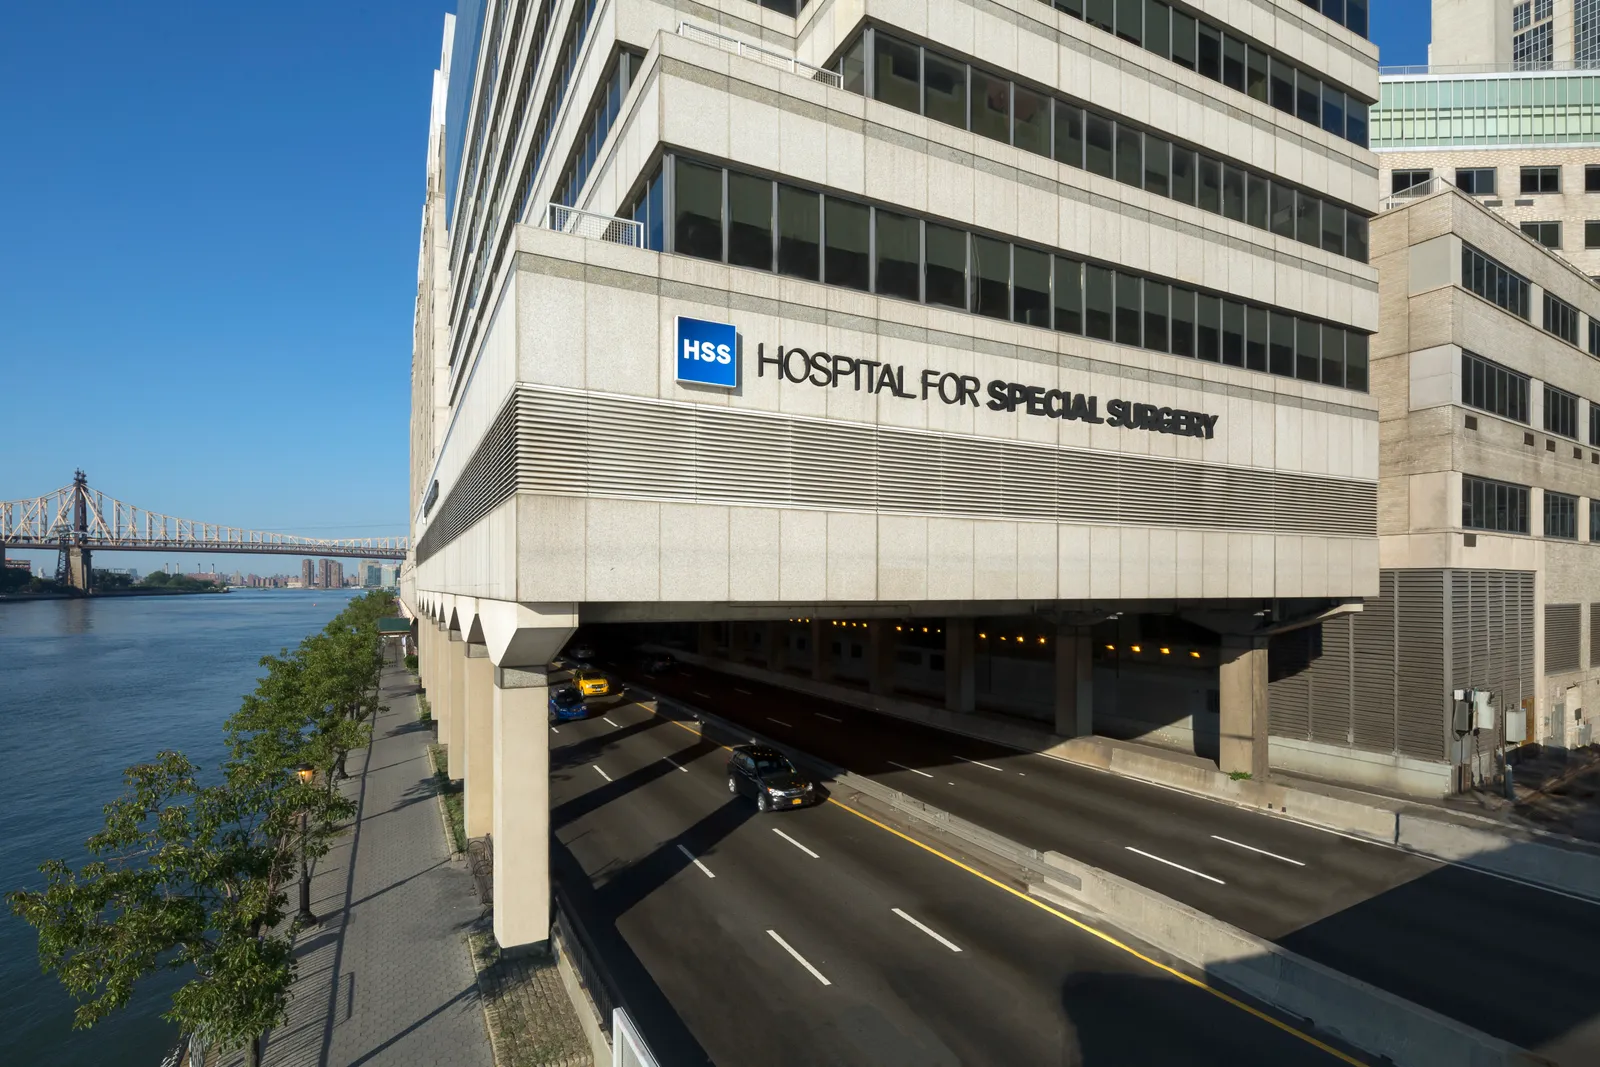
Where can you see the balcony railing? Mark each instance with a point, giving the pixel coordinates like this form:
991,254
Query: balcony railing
595,227
761,54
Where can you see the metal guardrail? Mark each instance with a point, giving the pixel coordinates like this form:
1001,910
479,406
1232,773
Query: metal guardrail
1415,193
573,220
627,1044
761,54
580,953
1446,69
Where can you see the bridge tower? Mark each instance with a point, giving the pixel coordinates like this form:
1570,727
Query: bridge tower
74,563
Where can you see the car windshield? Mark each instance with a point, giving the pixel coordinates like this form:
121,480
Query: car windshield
566,696
773,765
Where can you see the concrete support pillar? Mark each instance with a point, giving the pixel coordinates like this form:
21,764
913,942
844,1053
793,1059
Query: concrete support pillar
1074,681
881,643
960,675
440,697
521,809
423,666
1242,685
777,640
478,751
455,739
821,650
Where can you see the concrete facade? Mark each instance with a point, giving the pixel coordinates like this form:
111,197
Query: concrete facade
562,474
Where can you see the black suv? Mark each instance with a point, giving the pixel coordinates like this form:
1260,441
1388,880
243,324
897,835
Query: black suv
767,775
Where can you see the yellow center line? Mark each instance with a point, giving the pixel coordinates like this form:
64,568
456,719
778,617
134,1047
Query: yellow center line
1085,927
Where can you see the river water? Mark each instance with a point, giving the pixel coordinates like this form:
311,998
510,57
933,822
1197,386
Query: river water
88,687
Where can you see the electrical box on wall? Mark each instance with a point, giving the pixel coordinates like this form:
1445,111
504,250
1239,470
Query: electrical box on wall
1482,710
1516,726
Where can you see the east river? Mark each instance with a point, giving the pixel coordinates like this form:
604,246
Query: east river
88,687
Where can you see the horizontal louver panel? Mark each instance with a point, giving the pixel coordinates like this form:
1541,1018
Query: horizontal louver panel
1561,623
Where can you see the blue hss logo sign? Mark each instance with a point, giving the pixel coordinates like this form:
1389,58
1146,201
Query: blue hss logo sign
708,353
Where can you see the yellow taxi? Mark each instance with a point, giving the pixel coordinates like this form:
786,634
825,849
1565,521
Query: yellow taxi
591,683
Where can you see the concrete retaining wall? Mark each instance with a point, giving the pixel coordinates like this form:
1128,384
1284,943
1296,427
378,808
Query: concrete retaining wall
1573,869
1362,1014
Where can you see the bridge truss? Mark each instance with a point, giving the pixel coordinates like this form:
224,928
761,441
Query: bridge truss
77,517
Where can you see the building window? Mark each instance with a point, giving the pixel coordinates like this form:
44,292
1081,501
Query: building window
1561,318
1594,535
1488,386
845,261
1594,432
649,211
799,233
1546,233
1496,506
1594,341
1591,234
1533,49
1409,182
1591,178
697,196
1493,282
952,91
597,126
1478,181
1560,516
1541,179
749,222
1560,412
1522,16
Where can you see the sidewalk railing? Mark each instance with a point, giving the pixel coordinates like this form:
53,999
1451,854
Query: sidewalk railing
628,1047
573,220
761,54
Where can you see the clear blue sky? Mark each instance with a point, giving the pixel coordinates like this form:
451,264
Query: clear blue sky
209,263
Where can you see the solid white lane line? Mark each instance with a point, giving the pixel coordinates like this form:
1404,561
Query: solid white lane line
795,843
830,718
945,941
704,869
746,692
780,722
602,774
700,694
801,959
1252,848
1169,863
607,718
676,764
980,763
913,770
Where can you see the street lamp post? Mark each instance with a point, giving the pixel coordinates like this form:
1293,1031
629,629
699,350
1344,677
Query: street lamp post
306,918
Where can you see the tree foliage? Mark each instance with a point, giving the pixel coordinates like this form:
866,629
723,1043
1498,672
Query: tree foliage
189,871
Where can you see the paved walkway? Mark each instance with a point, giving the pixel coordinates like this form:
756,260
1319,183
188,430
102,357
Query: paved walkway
385,978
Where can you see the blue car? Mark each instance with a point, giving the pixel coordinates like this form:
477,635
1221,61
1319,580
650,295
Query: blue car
566,704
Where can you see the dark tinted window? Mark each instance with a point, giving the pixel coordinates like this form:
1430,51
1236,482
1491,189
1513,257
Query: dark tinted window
1097,302
1069,134
1280,347
1210,185
1208,328
1333,110
1158,28
1233,333
1282,210
991,106
1210,52
1130,156
944,89
1308,97
1478,181
1307,351
846,260
1332,356
1156,165
1183,39
1355,360
1182,328
1030,127
1233,192
1155,315
1308,219
1256,75
1030,286
749,221
1069,295
1129,309
1355,236
799,232
1233,53
991,277
1098,150
1130,20
946,273
899,250
1256,208
697,231
1183,175
1282,83
1498,506
1255,338
1333,228
896,73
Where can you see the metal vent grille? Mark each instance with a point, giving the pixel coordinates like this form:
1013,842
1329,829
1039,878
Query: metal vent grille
592,444
1420,623
1561,629
1594,635
1372,718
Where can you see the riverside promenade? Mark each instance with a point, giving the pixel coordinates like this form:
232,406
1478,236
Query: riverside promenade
385,978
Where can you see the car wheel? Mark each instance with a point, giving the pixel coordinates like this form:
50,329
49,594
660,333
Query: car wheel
762,803
733,786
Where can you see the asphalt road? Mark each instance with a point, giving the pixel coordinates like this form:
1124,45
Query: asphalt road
1513,960
819,937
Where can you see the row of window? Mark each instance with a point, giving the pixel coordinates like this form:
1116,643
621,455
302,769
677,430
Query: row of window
755,222
1549,233
1560,318
952,91
1488,386
1484,181
1213,51
597,125
1501,507
1492,281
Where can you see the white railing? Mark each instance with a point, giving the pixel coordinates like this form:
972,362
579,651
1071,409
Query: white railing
627,1044
761,54
595,227
1414,193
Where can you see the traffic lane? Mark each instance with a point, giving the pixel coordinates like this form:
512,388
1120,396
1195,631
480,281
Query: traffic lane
1024,987
1093,816
1327,913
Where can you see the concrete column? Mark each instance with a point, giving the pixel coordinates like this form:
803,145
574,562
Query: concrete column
1242,683
439,698
456,738
777,637
521,815
422,653
960,677
478,751
821,653
1074,681
880,656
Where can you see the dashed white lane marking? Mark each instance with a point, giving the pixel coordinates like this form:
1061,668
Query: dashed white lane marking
799,958
913,770
980,763
830,718
945,941
795,843
601,773
700,694
1252,848
554,730
746,692
703,868
678,765
607,718
1169,863
780,722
